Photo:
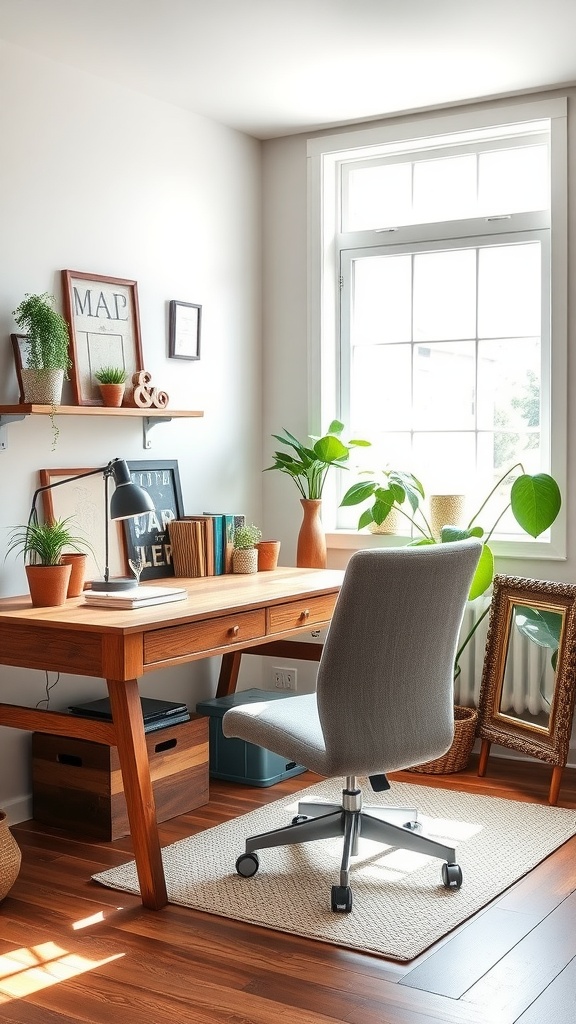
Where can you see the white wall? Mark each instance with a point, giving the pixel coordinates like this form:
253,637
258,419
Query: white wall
100,179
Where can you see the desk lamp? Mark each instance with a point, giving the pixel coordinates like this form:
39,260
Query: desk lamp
128,501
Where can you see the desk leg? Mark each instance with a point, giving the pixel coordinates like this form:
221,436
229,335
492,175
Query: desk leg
229,670
133,756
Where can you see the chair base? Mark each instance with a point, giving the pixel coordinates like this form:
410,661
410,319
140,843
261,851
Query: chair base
391,826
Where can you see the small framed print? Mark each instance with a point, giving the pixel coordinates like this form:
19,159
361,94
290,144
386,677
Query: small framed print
104,324
184,330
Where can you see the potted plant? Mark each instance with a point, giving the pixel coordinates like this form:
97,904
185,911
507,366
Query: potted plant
534,500
308,466
112,383
42,545
245,555
48,359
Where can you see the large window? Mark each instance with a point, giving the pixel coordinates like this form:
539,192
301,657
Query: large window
439,321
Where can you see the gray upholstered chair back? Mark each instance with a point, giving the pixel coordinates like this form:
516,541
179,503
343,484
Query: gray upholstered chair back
385,679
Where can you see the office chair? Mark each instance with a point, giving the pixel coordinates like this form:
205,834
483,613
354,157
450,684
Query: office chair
384,701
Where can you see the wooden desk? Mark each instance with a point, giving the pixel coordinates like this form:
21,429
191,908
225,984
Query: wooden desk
222,615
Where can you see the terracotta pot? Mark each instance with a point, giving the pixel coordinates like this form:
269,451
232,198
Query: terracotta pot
112,394
48,584
10,857
77,560
311,549
268,551
245,560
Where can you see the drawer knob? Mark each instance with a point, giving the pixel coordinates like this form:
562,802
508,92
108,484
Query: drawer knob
305,614
234,630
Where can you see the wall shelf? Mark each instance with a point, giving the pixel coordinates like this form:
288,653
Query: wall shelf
150,417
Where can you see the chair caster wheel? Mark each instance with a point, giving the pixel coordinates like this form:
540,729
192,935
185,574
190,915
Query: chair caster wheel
247,864
299,817
341,898
452,876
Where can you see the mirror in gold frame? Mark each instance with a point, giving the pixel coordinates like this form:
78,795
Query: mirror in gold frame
529,681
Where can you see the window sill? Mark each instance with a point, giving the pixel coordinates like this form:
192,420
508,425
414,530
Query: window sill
351,540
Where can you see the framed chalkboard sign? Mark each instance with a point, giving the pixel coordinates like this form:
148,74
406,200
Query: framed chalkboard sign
147,540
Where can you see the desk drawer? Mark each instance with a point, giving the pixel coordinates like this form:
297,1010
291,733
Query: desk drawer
304,612
206,635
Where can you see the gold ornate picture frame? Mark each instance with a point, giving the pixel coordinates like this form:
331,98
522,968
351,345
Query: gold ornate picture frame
528,685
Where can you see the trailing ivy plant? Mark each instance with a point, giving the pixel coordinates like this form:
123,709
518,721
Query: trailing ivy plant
47,333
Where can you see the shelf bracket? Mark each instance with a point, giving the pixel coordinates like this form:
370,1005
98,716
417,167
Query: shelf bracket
4,421
147,423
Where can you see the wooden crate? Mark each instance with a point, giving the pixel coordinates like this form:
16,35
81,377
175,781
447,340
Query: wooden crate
77,785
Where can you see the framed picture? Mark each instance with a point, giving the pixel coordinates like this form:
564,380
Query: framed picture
104,324
184,332
146,536
20,349
85,501
528,685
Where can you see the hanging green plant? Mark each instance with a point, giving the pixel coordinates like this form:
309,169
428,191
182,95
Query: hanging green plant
47,332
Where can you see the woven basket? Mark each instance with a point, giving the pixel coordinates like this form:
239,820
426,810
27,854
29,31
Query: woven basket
10,857
456,758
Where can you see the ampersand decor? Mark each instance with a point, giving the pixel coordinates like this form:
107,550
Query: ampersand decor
145,397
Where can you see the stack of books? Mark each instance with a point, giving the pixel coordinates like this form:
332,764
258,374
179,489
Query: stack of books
202,545
157,714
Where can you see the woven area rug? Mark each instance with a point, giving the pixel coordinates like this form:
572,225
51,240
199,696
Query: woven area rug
400,906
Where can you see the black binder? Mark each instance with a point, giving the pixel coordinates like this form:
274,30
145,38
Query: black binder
156,713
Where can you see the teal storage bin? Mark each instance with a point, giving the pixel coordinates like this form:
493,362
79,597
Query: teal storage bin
234,759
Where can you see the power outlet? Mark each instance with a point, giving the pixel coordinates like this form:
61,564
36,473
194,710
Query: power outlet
284,678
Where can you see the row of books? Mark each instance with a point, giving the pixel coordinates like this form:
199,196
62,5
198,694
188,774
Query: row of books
202,545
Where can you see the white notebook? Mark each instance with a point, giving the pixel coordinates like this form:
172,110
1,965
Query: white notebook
137,597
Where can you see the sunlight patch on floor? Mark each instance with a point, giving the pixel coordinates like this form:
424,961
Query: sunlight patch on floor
99,918
30,969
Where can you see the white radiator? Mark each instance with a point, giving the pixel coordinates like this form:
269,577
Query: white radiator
467,685
528,678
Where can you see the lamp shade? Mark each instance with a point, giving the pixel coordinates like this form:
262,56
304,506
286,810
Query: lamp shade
128,499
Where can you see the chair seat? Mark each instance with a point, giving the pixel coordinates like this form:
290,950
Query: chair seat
290,727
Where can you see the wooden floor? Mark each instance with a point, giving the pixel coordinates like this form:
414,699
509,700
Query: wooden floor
71,950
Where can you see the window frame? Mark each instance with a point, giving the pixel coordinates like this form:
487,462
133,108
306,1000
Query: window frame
325,154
